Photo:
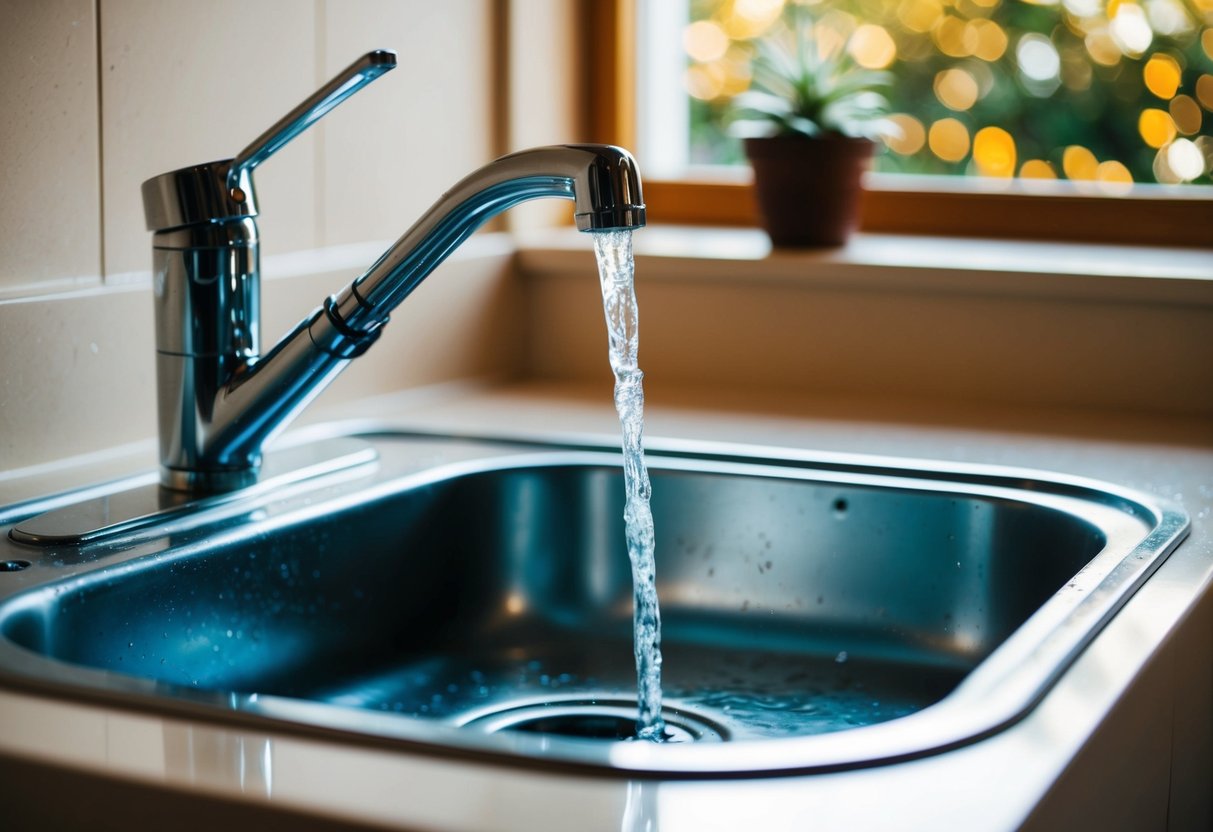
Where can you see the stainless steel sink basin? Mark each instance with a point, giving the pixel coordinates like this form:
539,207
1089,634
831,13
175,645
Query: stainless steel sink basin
473,597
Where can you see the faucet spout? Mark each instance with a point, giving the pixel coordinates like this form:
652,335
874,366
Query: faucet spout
218,409
602,181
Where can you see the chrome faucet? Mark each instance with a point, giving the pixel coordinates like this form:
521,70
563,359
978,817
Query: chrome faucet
220,400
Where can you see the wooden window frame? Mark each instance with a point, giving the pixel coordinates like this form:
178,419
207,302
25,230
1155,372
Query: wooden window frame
956,206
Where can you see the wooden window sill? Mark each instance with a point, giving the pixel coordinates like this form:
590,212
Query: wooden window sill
1010,209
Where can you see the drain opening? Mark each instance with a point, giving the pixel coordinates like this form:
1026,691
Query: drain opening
595,720
586,726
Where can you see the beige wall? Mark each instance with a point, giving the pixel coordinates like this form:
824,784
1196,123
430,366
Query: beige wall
543,102
181,82
49,140
99,95
792,324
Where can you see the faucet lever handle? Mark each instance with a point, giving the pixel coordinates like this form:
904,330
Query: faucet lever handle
347,82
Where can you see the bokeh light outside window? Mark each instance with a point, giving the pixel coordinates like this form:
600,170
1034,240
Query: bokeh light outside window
1105,93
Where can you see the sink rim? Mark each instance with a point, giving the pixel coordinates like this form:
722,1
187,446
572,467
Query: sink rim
984,703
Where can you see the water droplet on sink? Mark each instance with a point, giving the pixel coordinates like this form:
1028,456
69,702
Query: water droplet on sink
841,657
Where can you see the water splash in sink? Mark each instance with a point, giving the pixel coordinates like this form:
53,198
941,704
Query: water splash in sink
615,269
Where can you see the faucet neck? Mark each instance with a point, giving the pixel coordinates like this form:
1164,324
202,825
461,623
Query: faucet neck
602,181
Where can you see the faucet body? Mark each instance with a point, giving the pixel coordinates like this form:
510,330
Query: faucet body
219,399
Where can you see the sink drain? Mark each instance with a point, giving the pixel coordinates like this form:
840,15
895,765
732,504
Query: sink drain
594,720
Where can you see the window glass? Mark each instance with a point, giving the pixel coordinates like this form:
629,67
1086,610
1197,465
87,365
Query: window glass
1101,92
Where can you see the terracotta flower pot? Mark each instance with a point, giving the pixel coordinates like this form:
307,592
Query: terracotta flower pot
808,190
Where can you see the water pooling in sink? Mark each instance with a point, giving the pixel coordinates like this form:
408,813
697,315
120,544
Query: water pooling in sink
616,270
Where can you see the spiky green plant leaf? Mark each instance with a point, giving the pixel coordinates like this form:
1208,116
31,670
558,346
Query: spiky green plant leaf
796,89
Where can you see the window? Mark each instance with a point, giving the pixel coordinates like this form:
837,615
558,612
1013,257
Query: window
1018,68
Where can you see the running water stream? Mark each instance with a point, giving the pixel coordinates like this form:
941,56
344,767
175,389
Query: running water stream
615,270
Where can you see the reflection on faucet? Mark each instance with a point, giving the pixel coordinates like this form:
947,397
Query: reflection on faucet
640,811
220,401
219,759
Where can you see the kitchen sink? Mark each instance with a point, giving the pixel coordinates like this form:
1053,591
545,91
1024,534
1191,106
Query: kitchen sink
472,596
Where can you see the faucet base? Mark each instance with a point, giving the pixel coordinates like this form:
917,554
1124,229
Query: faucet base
136,505
207,482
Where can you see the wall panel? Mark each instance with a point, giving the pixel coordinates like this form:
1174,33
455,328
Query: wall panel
50,214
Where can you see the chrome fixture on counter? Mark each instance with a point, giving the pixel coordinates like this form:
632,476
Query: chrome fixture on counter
220,400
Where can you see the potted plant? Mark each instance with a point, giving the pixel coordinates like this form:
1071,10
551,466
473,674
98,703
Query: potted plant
809,121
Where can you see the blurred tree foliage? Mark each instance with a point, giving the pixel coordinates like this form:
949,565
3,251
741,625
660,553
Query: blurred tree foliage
1054,75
